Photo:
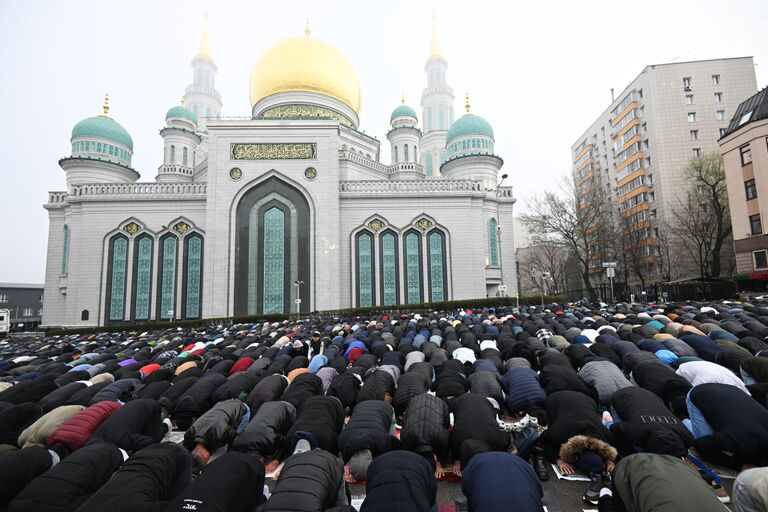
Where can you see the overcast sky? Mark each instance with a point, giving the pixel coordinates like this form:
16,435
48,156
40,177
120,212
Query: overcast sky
539,72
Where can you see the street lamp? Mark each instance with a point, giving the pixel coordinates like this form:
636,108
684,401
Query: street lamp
502,287
298,295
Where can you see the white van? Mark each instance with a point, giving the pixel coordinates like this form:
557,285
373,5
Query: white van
5,322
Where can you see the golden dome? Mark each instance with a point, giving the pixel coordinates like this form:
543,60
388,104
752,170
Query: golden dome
305,64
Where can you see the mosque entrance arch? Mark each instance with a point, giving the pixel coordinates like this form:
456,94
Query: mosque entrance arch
272,249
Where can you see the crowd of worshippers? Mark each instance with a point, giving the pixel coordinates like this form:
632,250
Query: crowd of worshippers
641,399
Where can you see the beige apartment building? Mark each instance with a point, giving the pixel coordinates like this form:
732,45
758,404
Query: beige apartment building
745,156
638,148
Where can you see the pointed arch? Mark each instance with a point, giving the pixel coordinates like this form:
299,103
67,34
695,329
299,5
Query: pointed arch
364,269
412,265
390,269
117,275
143,256
493,243
192,283
436,258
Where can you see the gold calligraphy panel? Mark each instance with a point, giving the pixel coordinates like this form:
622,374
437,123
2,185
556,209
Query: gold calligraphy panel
273,151
304,112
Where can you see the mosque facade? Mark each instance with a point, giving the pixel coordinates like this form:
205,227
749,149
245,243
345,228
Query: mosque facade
290,209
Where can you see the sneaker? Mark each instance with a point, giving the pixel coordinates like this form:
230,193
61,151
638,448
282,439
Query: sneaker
719,491
592,494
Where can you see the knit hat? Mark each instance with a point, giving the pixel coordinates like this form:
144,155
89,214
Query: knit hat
589,461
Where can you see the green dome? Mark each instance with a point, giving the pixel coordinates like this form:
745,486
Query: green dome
403,111
183,113
469,124
105,128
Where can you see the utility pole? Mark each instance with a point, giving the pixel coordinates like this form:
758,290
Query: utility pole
502,286
298,296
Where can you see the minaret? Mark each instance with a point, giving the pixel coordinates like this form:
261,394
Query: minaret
201,96
437,108
181,139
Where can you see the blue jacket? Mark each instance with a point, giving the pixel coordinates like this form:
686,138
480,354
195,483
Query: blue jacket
500,481
522,389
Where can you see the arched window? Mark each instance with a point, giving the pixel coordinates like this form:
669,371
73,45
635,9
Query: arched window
428,164
405,153
193,275
493,243
365,271
184,157
116,278
143,249
166,277
84,315
429,119
389,269
415,153
173,155
194,157
412,264
395,156
441,117
274,261
437,267
65,252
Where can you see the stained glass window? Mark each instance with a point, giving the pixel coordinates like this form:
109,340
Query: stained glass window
119,266
168,276
412,268
388,269
65,252
274,261
143,278
194,276
436,267
493,243
365,270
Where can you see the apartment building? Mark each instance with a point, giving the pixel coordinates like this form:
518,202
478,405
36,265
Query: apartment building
745,156
638,148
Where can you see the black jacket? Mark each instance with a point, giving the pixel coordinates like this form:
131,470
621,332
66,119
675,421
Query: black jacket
147,481
308,482
486,384
241,382
19,468
60,396
216,427
14,419
321,416
376,384
68,484
265,434
345,387
29,390
232,483
425,425
451,384
303,386
647,423
169,398
84,396
571,413
400,481
409,385
661,380
268,389
474,418
557,377
368,429
740,424
199,398
118,390
134,426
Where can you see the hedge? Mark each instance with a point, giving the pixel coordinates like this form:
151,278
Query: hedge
397,310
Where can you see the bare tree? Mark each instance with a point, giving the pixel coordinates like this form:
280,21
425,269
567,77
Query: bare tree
702,221
546,254
577,216
668,260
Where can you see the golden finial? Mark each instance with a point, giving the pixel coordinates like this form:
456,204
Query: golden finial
182,100
105,106
307,29
204,52
402,99
466,103
435,47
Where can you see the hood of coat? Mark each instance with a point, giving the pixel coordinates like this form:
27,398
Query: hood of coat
570,450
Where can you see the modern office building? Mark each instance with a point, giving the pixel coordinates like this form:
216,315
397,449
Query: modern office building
638,148
745,157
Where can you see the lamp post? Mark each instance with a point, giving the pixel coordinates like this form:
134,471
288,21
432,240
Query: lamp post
298,296
498,236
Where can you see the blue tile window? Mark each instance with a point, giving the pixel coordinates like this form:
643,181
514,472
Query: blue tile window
143,278
274,261
365,290
118,271
194,273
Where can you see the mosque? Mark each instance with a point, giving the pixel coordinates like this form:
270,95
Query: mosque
290,209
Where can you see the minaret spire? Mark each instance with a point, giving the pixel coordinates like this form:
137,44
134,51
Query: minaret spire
105,106
204,52
435,52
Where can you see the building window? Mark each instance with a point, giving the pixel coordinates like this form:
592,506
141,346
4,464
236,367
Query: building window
687,83
437,274
696,152
405,153
3,298
760,259
429,119
689,99
691,117
722,132
493,243
26,312
173,155
167,277
413,277
750,189
746,155
694,134
755,226
84,315
715,79
389,270
720,115
395,156
65,252
184,153
652,214
142,277
117,278
274,261
365,270
718,97
193,256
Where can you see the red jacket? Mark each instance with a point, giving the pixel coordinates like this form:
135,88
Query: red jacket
76,431
242,364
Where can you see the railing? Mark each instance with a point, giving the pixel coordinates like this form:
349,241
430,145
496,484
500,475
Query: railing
415,186
175,169
362,160
133,189
57,197
406,166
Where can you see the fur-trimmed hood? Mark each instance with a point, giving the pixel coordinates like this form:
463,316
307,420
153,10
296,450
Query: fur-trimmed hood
570,450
